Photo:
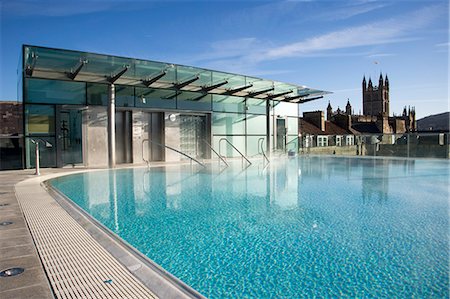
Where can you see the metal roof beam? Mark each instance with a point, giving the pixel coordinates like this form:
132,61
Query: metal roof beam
255,93
175,94
180,85
276,95
232,91
199,97
297,98
148,92
153,79
113,78
309,99
73,73
207,88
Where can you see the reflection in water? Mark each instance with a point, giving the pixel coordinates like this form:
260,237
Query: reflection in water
137,192
375,183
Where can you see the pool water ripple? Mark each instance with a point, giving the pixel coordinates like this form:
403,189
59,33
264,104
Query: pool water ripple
306,227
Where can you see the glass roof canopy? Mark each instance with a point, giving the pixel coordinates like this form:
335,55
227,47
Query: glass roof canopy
69,65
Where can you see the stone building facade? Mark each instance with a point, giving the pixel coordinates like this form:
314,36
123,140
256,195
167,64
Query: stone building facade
11,120
375,117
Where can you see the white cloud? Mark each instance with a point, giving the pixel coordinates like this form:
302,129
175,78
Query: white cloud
390,31
246,53
443,45
54,8
353,10
381,55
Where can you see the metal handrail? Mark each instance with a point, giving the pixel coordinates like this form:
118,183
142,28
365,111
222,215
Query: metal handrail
292,141
220,157
173,149
262,139
244,157
143,158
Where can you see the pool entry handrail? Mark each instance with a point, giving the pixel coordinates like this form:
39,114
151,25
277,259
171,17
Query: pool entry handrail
243,157
296,138
143,158
220,157
171,148
261,149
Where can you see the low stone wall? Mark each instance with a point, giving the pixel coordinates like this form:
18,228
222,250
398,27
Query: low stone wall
383,150
332,150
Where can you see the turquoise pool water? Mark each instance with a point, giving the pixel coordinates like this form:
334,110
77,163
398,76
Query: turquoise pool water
302,227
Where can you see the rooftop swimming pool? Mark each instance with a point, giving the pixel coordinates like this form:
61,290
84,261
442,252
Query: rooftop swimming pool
301,227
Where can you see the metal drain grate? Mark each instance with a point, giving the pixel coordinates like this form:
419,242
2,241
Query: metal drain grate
77,266
11,272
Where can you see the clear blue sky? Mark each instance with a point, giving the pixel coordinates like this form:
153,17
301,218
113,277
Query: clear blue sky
327,45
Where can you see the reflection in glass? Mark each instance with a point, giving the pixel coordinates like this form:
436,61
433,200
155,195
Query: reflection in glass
97,94
39,119
55,92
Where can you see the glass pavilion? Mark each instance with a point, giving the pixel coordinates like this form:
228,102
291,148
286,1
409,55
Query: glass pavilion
99,110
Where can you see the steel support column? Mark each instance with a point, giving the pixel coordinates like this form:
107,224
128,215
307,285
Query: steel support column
268,126
112,126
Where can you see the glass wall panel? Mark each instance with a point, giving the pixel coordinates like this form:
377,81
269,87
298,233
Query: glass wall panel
256,124
55,92
39,120
286,109
47,152
194,101
228,124
11,148
124,96
254,144
292,126
256,106
154,98
225,149
97,94
228,104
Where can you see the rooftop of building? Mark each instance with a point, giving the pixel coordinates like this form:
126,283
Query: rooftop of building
60,64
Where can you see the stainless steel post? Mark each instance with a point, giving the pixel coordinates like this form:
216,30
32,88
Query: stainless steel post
37,158
112,127
268,127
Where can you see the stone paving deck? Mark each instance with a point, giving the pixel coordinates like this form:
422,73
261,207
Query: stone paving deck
17,247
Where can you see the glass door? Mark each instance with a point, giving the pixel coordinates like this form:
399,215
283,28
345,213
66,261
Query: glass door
69,137
123,144
281,133
193,135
